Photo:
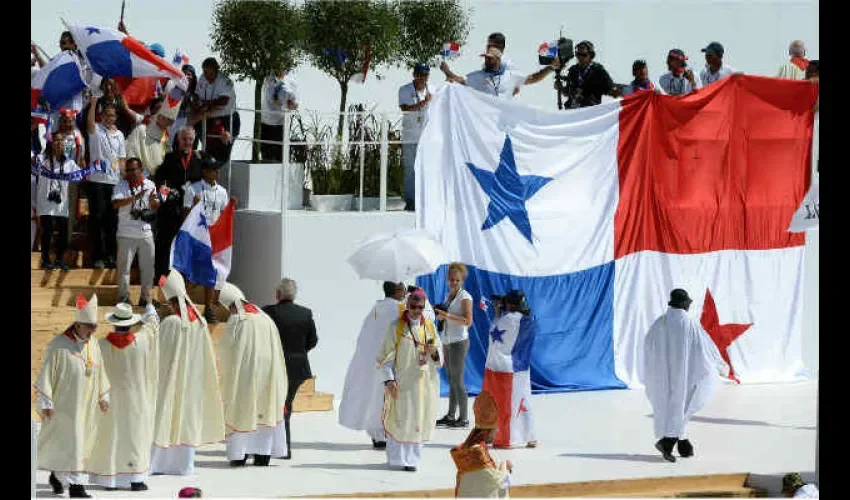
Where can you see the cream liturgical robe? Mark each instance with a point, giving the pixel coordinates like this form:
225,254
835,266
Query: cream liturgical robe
253,372
188,405
124,436
363,396
72,380
411,417
681,371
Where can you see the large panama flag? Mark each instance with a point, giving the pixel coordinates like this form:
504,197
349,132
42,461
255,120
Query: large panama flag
596,214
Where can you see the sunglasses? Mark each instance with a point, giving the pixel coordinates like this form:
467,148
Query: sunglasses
416,308
582,54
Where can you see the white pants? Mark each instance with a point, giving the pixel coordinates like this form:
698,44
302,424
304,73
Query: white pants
174,461
118,480
403,454
127,249
264,441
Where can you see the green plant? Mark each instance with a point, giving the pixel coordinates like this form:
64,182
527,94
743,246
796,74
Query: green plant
426,25
252,39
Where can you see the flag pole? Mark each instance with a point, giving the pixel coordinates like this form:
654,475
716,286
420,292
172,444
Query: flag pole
123,4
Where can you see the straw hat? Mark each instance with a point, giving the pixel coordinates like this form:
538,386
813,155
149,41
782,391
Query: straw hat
123,315
86,310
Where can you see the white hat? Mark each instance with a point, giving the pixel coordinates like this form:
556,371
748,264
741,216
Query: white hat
123,315
167,111
86,310
230,294
173,287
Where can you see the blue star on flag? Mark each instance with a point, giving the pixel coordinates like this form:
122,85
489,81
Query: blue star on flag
202,221
92,30
508,191
497,335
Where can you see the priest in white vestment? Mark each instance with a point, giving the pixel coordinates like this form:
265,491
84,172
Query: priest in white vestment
188,405
363,396
150,142
409,358
253,382
72,395
681,368
479,475
122,451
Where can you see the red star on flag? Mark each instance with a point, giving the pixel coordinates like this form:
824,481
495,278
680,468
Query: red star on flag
522,407
722,335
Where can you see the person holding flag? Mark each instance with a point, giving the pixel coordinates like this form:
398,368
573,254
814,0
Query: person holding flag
493,79
413,99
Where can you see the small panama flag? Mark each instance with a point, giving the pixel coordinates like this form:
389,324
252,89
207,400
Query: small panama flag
482,304
451,50
548,49
180,59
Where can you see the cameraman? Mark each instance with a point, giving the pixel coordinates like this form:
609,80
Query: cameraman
507,374
136,200
587,81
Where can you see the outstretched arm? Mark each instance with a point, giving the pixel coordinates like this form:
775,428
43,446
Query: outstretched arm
536,77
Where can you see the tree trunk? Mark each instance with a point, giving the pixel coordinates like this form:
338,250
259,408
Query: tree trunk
343,96
258,104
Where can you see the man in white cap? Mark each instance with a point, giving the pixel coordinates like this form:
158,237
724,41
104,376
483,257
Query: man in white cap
188,404
681,367
72,392
363,396
253,382
122,451
408,360
149,141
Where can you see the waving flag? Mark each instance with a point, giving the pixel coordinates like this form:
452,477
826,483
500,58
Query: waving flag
596,214
202,252
548,49
111,53
57,82
451,50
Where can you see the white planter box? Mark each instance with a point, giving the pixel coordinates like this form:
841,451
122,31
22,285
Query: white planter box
374,203
331,202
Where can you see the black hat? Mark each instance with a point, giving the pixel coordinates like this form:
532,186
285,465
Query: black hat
515,297
679,298
209,162
714,48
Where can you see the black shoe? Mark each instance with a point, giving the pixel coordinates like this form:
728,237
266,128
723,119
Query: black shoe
61,265
459,424
288,456
238,463
77,491
379,445
665,446
57,485
110,488
409,468
47,266
262,460
209,315
686,449
138,487
446,421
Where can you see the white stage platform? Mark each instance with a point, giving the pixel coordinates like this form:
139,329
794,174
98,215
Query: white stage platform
759,429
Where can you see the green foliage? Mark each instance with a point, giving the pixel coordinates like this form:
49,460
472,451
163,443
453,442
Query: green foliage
426,25
251,38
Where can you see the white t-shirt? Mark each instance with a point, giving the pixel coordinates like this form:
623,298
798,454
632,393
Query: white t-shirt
213,199
676,85
127,226
413,122
107,145
288,92
45,186
500,85
456,332
706,76
220,87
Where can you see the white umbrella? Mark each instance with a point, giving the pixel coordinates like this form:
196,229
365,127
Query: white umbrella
397,256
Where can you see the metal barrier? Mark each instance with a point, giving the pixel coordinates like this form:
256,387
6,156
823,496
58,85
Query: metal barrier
36,426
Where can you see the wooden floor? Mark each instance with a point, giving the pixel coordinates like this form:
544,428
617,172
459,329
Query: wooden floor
53,294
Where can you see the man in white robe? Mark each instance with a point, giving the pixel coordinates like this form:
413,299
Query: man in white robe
150,141
363,396
71,387
188,405
681,370
253,382
122,451
409,358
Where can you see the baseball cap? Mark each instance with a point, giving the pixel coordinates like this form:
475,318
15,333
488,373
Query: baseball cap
678,54
715,48
421,69
493,52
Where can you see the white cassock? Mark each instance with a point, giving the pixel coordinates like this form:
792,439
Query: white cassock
253,385
188,404
71,383
363,396
410,419
148,143
122,451
681,371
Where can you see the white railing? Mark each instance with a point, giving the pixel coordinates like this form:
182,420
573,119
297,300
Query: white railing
323,147
36,425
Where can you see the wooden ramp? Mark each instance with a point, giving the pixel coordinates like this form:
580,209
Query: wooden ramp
53,295
709,486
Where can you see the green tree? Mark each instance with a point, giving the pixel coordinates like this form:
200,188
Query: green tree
426,25
339,34
252,38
